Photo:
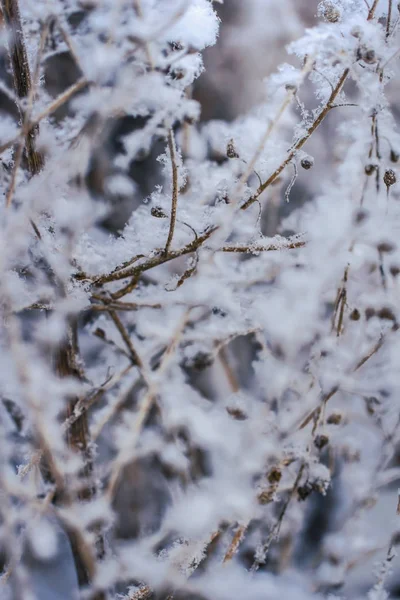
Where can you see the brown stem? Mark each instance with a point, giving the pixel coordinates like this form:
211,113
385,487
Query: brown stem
21,75
175,190
389,18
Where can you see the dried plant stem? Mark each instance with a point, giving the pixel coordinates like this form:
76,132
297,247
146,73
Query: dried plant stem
255,249
135,358
175,190
236,540
58,102
300,143
372,10
315,413
389,17
161,258
22,77
126,455
262,553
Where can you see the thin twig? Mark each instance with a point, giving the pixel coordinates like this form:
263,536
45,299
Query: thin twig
389,17
135,358
261,554
175,190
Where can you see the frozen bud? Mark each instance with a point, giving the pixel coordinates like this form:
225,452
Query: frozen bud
369,169
158,212
330,11
394,156
389,178
321,441
307,162
355,315
231,151
290,87
334,419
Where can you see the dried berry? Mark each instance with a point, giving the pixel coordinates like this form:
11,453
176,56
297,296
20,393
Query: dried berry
355,315
158,212
231,151
334,419
394,155
321,441
370,169
389,178
307,162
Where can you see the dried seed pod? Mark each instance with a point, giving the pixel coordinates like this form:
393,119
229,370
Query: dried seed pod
387,314
231,151
386,248
307,162
394,270
158,212
303,491
265,497
394,155
360,216
370,169
369,56
330,11
236,413
202,360
389,178
334,419
355,315
275,475
321,441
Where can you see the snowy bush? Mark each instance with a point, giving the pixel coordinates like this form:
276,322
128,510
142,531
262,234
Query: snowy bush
199,381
